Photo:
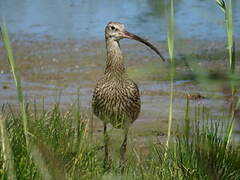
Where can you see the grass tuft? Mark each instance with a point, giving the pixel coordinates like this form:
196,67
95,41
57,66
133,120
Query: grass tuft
6,155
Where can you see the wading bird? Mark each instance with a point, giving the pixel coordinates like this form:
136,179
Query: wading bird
116,98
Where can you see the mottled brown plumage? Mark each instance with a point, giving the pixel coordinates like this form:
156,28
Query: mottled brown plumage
116,98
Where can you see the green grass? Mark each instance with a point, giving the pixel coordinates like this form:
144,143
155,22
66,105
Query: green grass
59,144
7,165
62,149
227,10
172,62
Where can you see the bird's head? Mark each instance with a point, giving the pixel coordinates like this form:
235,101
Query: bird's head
116,31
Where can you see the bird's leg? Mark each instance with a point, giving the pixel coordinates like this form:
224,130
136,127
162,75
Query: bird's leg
123,150
106,138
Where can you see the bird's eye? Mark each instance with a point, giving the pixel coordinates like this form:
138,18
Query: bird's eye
112,28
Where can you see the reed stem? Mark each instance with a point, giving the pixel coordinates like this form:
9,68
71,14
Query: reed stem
17,78
172,61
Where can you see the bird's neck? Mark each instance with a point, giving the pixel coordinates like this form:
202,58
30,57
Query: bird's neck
115,64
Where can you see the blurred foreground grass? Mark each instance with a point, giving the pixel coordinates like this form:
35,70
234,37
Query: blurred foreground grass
62,147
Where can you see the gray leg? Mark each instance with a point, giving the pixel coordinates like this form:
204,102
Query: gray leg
106,138
123,150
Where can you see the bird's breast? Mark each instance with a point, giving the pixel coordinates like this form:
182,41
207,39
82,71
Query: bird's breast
116,101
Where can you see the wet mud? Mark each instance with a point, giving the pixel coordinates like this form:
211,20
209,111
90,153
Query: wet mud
51,67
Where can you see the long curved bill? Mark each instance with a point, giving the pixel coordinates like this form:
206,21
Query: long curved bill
137,38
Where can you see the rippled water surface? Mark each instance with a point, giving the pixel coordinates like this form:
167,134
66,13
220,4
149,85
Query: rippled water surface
83,19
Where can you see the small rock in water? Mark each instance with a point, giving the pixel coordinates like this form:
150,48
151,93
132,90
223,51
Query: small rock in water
196,96
54,60
5,87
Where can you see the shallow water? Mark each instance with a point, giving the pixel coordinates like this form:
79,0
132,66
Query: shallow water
82,19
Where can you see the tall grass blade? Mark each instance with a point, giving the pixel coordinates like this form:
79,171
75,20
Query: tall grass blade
40,163
229,24
8,163
170,37
227,10
171,53
16,76
221,4
187,120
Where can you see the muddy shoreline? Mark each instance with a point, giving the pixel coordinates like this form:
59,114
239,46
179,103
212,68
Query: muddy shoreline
50,67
